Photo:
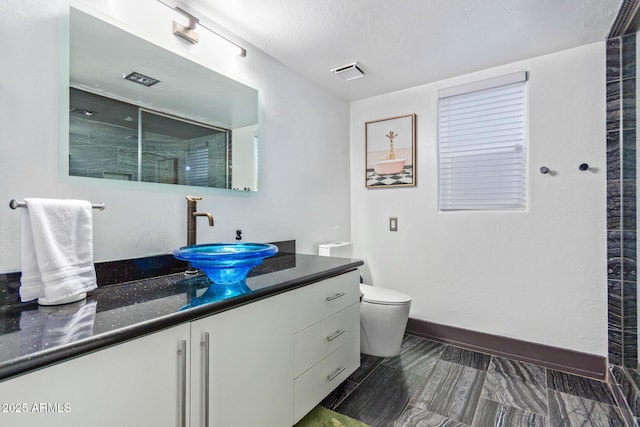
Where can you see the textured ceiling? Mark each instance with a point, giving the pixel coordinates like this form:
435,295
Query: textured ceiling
404,43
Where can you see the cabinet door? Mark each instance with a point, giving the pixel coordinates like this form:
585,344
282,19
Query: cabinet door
137,383
250,371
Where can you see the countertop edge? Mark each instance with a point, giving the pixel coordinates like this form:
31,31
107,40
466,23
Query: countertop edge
45,358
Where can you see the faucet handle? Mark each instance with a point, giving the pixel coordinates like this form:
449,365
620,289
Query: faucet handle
194,198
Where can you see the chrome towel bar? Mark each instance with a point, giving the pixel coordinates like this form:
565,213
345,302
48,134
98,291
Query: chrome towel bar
14,204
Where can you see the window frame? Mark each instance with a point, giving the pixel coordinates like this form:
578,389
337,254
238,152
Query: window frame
519,202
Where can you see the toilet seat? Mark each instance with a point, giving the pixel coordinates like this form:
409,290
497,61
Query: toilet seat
382,296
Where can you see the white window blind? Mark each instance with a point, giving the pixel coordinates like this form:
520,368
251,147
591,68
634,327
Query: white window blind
197,172
481,143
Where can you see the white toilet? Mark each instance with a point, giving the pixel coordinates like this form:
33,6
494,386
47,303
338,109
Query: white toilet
383,312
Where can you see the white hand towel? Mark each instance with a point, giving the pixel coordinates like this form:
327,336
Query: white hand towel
56,249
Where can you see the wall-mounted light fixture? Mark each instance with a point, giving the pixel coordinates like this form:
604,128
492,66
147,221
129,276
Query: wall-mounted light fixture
82,111
187,31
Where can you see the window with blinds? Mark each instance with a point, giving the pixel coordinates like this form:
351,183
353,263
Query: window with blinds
481,143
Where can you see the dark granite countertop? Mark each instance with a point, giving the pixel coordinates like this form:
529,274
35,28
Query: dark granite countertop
32,336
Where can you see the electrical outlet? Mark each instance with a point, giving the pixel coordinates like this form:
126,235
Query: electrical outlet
393,223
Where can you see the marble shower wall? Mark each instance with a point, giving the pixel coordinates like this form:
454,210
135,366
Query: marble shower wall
621,200
621,218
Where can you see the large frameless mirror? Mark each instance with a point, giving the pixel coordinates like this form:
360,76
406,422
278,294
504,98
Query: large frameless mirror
138,112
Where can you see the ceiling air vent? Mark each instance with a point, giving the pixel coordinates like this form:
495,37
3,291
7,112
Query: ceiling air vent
140,79
349,71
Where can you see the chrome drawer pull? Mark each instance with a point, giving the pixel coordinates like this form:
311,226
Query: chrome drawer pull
336,335
206,346
182,353
336,296
335,374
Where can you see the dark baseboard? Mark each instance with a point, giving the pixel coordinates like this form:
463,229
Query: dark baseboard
573,362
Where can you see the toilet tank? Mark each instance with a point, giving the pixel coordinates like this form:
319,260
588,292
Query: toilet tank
336,249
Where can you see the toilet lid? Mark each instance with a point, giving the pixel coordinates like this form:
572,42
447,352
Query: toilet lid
376,295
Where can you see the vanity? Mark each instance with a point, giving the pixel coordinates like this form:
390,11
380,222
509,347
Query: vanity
136,353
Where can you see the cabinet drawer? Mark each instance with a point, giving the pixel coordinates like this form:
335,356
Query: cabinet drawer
315,384
323,338
321,300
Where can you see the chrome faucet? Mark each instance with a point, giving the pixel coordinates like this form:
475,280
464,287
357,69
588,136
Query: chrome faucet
191,218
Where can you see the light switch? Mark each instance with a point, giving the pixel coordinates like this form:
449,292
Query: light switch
393,223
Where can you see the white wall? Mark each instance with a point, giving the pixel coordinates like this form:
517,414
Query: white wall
537,275
302,127
243,158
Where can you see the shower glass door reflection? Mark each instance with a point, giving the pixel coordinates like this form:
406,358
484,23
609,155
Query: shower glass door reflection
176,151
115,140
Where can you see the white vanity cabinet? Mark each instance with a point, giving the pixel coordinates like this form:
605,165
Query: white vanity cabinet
161,379
247,374
327,338
266,364
136,383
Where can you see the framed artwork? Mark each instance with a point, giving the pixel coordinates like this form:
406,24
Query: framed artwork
390,146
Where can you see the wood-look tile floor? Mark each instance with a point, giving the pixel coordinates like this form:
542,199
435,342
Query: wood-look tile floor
435,384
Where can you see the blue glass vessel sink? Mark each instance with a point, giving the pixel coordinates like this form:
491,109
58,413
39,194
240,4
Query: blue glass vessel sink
225,263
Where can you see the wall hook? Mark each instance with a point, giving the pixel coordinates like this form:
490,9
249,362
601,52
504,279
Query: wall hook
583,166
544,170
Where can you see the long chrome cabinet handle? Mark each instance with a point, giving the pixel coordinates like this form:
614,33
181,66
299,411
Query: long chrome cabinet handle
206,346
335,335
182,353
338,371
336,296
